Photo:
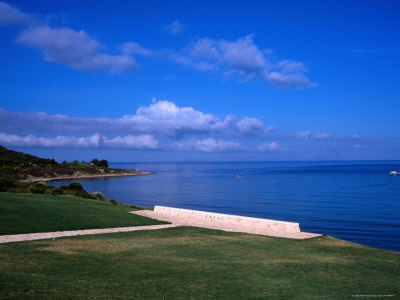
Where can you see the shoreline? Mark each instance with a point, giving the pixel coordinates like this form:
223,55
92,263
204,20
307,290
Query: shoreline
49,179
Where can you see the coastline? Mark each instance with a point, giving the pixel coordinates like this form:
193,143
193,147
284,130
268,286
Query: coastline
49,179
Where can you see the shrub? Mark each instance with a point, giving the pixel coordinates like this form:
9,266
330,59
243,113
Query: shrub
98,196
75,186
6,183
36,189
136,207
57,191
84,195
31,189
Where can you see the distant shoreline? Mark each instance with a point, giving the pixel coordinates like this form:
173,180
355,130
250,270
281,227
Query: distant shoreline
49,179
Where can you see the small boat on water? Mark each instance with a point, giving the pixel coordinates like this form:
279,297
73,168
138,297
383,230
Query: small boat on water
237,176
394,172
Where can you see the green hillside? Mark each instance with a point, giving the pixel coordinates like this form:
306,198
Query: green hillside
20,166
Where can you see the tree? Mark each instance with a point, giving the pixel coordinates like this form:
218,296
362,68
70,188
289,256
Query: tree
95,162
103,163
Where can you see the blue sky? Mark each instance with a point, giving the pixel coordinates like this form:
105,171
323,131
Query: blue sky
201,80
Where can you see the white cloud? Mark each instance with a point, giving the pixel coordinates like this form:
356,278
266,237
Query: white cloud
119,142
309,135
269,147
160,118
302,135
243,55
132,142
360,139
242,58
288,66
75,49
69,47
322,136
219,145
198,65
288,80
180,129
252,125
134,48
59,141
175,27
9,15
207,145
93,141
204,48
165,117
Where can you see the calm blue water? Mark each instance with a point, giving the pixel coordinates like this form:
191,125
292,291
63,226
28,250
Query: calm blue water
355,201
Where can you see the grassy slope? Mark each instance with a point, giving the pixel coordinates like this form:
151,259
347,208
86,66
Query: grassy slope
26,213
191,262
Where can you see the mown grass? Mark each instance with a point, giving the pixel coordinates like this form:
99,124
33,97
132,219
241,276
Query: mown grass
186,262
175,263
27,213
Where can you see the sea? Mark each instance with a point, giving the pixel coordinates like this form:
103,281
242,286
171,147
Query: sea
352,200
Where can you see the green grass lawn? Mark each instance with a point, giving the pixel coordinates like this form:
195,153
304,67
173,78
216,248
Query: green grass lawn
26,213
175,263
186,262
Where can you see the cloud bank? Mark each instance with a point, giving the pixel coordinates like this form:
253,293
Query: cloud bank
94,141
139,142
305,135
162,117
161,125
